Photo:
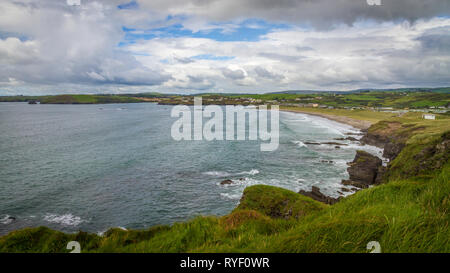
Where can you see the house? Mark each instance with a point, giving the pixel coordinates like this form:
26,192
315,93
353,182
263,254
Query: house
428,116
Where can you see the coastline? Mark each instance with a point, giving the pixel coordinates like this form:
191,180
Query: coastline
358,124
280,213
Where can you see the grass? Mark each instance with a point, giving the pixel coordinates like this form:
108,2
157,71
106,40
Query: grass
403,215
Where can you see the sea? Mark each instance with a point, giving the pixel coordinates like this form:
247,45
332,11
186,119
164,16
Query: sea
94,167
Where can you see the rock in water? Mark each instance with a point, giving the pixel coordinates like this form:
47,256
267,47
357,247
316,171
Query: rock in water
226,182
318,196
363,170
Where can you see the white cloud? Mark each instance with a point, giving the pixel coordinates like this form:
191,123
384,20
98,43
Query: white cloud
49,46
375,55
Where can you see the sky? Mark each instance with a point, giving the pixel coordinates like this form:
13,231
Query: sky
235,46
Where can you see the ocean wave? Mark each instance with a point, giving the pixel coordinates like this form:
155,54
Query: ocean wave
6,220
65,219
299,143
251,172
227,174
217,173
231,196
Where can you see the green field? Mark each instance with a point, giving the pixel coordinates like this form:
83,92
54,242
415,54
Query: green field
398,99
408,212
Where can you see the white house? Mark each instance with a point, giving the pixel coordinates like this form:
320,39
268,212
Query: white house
428,116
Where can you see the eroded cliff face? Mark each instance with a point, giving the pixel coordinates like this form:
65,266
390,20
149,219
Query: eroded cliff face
386,135
363,170
406,158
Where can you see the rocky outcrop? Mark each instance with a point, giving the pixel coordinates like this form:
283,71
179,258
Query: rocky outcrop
392,149
318,196
363,170
226,182
386,135
380,174
356,184
347,138
326,143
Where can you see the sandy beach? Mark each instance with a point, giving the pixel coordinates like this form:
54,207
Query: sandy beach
359,124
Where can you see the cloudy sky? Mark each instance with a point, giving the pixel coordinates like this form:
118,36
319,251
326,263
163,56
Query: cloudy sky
191,46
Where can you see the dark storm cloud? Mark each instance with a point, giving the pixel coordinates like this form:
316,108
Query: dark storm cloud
320,13
233,74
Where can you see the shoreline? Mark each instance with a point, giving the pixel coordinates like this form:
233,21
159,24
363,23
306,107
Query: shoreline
339,119
358,124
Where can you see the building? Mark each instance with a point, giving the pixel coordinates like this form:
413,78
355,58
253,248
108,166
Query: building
429,116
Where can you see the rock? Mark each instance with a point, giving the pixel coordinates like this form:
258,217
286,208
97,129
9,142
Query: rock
380,173
327,143
354,184
345,190
363,170
334,143
391,150
387,136
347,138
351,139
318,196
354,134
337,147
327,161
226,182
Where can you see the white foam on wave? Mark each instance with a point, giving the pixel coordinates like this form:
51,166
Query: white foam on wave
251,172
227,174
374,150
331,125
6,220
217,173
231,196
65,219
299,143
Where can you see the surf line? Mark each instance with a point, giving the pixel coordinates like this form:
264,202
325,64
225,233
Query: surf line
213,128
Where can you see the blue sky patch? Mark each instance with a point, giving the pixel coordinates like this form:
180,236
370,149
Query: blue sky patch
250,30
129,5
